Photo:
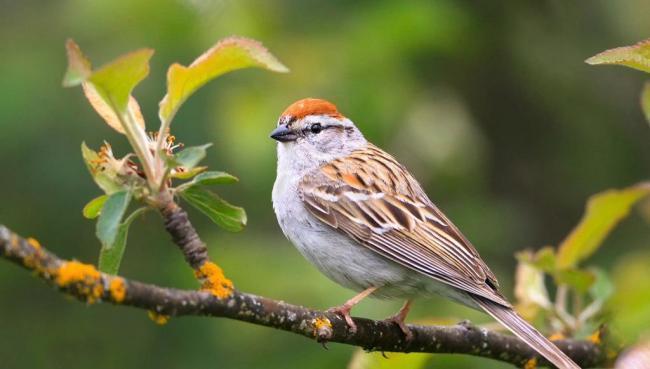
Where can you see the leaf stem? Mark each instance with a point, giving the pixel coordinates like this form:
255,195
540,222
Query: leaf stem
138,140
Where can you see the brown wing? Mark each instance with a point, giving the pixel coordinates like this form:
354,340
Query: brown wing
370,197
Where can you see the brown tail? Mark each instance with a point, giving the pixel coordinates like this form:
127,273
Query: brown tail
526,333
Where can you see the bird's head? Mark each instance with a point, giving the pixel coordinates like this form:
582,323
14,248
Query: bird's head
314,129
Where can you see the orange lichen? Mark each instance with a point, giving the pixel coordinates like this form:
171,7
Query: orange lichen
117,287
322,325
33,260
531,364
595,337
34,243
556,336
85,277
160,319
213,280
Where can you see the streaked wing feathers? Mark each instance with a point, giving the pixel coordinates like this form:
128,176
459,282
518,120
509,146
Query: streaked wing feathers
373,199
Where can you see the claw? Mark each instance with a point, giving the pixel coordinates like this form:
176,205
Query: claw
399,320
344,312
396,319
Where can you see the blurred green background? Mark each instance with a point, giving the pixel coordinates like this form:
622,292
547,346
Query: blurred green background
488,103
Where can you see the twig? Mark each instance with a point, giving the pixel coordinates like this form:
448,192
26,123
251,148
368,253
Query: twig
87,284
184,235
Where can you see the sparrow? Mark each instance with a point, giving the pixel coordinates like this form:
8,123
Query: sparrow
365,222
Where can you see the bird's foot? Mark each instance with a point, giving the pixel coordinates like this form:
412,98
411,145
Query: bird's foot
399,320
344,312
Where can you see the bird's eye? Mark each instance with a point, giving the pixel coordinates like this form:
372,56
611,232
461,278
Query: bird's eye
316,128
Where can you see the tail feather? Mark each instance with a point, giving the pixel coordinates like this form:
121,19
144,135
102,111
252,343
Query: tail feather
522,329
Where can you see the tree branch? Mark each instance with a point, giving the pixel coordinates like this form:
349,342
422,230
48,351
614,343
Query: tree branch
184,235
85,283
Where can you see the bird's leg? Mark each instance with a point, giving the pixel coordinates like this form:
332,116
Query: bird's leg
400,317
344,310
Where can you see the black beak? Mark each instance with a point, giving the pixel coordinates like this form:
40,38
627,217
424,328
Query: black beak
283,134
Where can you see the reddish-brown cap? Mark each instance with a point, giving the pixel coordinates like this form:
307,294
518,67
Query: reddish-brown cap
309,106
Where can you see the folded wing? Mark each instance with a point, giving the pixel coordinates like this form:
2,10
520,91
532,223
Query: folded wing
373,199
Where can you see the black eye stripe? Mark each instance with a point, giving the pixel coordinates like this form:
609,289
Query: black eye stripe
311,128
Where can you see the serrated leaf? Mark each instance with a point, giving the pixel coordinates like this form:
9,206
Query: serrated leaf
530,289
603,287
115,80
209,179
645,100
229,217
111,216
106,179
227,55
580,280
191,156
635,56
79,67
110,256
376,360
604,210
92,209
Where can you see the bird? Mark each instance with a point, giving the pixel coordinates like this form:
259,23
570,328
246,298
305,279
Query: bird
364,221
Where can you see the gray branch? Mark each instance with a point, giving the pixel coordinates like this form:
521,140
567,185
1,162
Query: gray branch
85,283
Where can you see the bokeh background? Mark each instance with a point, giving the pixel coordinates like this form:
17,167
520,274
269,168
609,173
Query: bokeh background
488,103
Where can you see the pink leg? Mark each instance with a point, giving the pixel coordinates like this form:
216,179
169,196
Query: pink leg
400,317
344,310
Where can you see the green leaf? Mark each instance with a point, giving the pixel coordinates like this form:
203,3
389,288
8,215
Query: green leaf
187,174
645,100
79,68
543,259
602,288
111,216
225,215
580,280
106,179
209,179
635,56
214,178
228,55
105,87
111,255
115,81
94,207
530,289
191,156
376,360
604,211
